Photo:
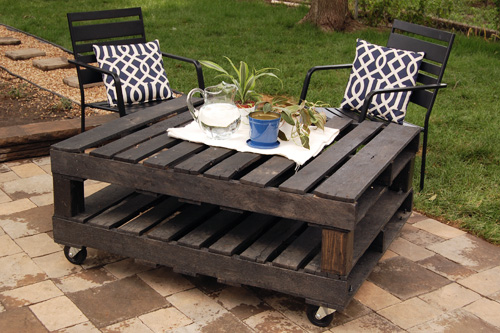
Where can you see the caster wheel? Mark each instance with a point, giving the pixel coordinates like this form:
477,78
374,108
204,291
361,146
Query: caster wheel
312,311
75,255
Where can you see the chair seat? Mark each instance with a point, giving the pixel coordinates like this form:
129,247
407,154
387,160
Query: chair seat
339,112
129,108
110,28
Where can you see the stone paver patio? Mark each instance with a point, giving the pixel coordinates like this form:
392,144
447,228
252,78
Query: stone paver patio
433,278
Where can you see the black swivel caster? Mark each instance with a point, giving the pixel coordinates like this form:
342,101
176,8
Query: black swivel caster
75,255
319,318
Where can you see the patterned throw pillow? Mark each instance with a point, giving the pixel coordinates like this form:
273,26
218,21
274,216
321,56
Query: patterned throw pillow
140,68
378,67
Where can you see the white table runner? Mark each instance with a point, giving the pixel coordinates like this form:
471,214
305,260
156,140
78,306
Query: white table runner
289,149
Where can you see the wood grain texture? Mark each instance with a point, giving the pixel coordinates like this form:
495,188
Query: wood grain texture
337,251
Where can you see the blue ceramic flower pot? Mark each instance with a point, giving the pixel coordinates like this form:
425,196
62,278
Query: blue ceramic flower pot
264,128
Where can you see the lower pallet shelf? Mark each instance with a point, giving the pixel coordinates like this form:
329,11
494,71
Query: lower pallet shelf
237,248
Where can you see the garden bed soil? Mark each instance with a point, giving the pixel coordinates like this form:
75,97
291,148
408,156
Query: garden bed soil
24,103
29,94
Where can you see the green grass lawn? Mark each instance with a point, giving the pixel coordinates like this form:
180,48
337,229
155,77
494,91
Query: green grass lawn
463,167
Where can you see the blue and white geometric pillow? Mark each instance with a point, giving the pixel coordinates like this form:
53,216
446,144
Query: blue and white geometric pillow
378,67
140,68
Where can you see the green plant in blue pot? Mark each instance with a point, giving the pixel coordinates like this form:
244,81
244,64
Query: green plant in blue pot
264,128
296,119
245,79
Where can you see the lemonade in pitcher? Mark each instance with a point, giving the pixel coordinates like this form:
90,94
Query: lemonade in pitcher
219,117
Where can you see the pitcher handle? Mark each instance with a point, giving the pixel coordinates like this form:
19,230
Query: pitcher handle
194,112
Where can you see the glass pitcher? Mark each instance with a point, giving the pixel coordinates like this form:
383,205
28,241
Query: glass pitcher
219,116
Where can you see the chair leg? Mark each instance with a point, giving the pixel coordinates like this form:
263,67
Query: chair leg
82,118
424,157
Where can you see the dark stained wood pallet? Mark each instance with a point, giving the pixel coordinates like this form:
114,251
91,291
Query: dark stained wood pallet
251,240
313,232
255,182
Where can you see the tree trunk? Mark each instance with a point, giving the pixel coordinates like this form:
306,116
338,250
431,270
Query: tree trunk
328,14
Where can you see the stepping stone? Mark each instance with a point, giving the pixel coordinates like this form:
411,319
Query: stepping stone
72,81
52,63
24,54
9,41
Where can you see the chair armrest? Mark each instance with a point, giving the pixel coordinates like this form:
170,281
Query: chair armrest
371,94
118,85
197,66
307,80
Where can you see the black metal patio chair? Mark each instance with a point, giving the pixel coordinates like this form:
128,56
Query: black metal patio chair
113,28
435,44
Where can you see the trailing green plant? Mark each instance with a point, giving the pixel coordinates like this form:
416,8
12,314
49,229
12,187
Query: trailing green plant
299,116
244,79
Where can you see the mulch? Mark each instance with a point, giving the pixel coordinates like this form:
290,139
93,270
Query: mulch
22,103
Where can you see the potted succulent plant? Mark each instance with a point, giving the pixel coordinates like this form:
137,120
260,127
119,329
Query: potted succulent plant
244,79
296,118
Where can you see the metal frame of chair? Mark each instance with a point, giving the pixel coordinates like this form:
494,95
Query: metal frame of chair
412,37
110,27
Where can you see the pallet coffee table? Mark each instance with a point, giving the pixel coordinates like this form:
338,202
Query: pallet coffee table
242,218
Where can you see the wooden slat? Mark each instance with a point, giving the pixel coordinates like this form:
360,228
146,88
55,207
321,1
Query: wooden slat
233,194
269,172
324,164
69,194
369,227
339,123
346,184
190,217
242,235
123,212
304,248
101,200
368,199
147,148
152,217
117,146
193,261
206,159
337,251
314,266
174,155
122,126
267,247
395,168
210,230
232,166
333,120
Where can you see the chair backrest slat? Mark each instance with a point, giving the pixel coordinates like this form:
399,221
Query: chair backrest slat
424,31
108,30
87,76
108,27
426,79
430,68
105,14
436,44
422,97
433,52
83,49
